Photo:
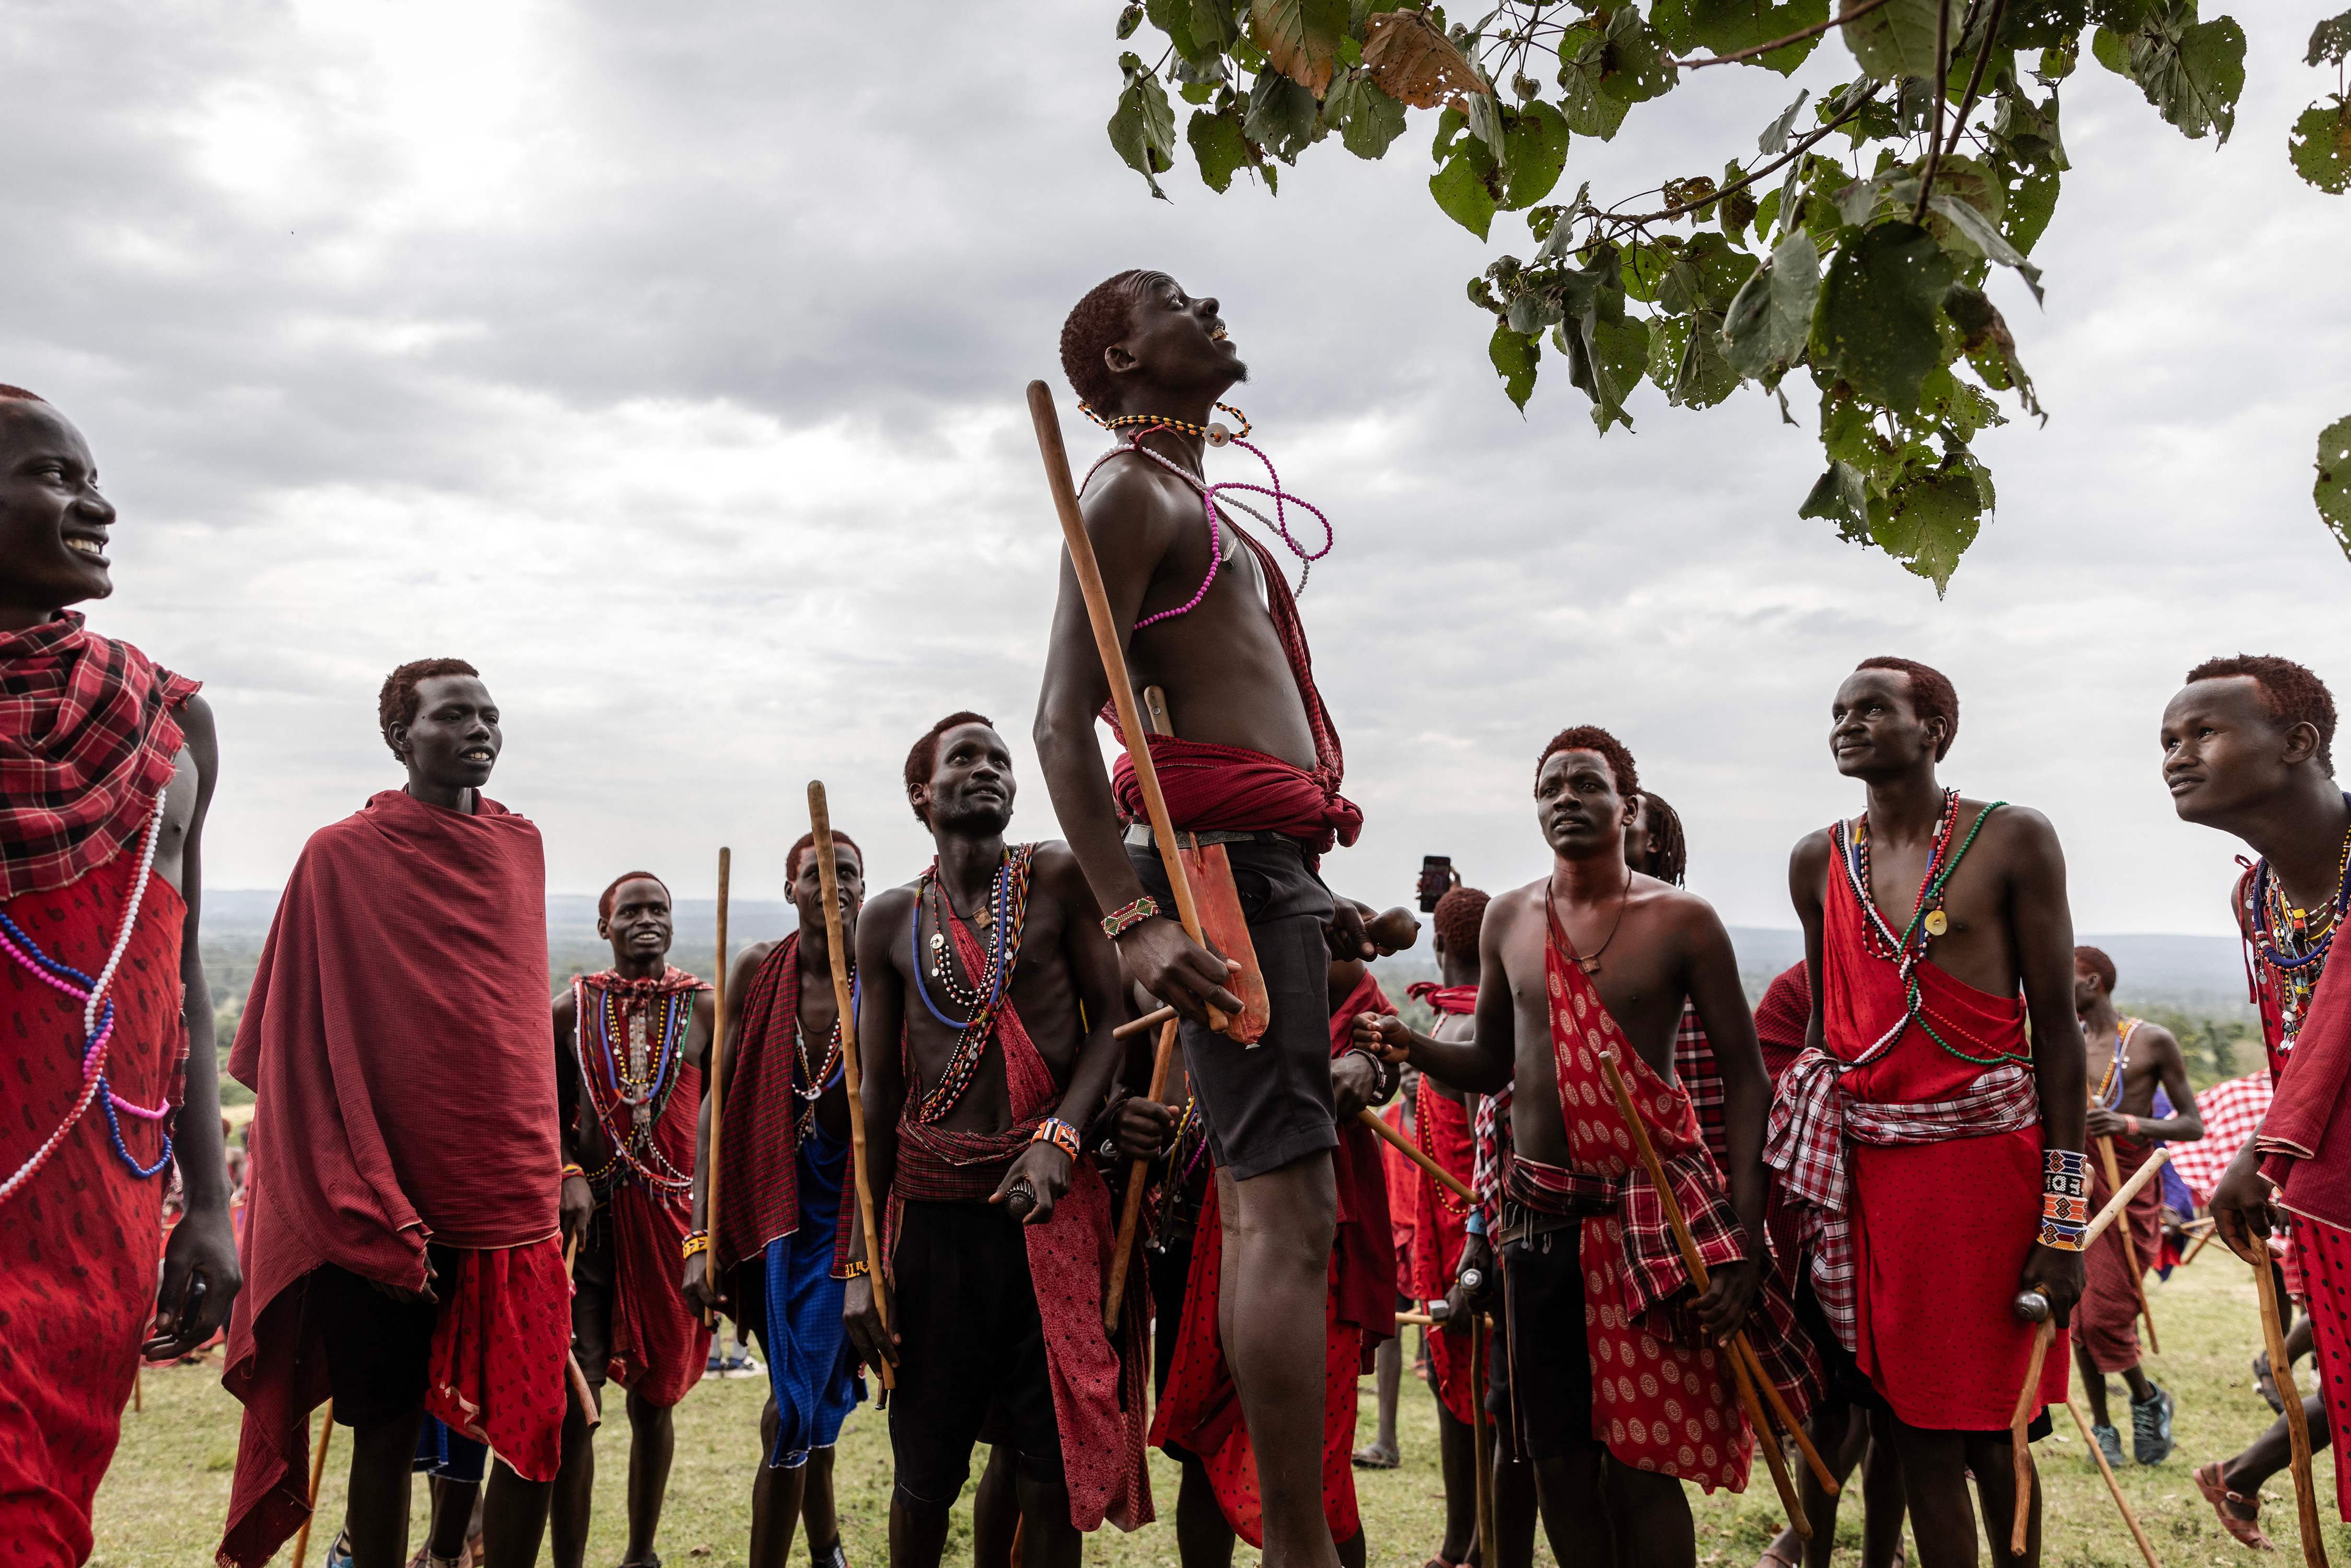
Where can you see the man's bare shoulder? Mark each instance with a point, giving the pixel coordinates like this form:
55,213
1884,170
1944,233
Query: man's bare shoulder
1054,869
1811,851
1134,491
566,1007
2156,1038
1686,910
2015,834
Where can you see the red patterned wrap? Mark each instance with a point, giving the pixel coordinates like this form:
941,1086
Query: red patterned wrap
1440,1220
2106,1320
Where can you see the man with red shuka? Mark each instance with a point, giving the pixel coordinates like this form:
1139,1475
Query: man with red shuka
1622,1388
1653,846
107,764
784,1194
1255,764
1923,920
2129,1059
987,994
402,1238
635,1038
2248,748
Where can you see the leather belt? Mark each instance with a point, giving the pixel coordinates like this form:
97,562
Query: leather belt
1140,835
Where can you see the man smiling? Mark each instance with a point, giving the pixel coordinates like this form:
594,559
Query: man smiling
402,1227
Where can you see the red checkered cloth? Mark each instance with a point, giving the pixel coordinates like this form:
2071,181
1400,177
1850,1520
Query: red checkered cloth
1695,1071
1490,1139
2232,1112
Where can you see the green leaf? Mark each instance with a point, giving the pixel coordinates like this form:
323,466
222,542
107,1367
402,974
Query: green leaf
1218,147
2040,24
2320,146
1200,29
1876,323
2330,41
1703,378
1635,66
1142,126
1774,140
1707,274
1984,235
1583,58
1989,345
2332,491
1129,20
1771,320
2112,50
1726,27
1464,192
1282,117
2191,71
1534,144
1842,496
1514,355
1369,121
1897,40
1927,520
1300,38
2031,203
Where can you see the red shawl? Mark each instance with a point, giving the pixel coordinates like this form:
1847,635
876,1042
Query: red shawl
1782,1018
660,1347
2305,1139
1439,1231
86,745
399,1044
1362,1253
758,1140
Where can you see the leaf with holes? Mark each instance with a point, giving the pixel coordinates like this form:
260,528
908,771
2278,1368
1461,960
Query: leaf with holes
2320,145
1897,40
1583,61
1635,66
1877,326
1463,188
1771,320
1927,521
1369,121
1300,38
2330,41
1282,117
1726,27
2191,71
1841,496
1414,62
2332,491
1514,355
1217,146
1534,143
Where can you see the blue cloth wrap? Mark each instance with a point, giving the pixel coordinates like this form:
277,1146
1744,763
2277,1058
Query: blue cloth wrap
811,1367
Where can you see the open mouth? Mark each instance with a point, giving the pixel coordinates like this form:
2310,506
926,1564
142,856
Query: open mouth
87,544
482,755
1216,334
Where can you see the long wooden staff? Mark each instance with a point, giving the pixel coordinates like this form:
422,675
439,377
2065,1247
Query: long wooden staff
717,1082
1413,1152
2130,1246
573,1372
1481,1331
844,998
318,1470
1736,1352
2297,1419
2089,1439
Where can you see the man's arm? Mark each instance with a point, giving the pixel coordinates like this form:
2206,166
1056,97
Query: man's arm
1129,536
2041,922
881,1018
704,1291
1485,1062
2185,1125
1808,866
577,1203
201,1276
1715,990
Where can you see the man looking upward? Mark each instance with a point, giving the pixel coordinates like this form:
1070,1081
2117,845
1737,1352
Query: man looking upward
107,764
1257,768
1923,920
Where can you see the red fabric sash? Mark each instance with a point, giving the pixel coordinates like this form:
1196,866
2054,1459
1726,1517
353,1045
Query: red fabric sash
1364,1250
2305,1139
497,1367
87,744
1782,1018
758,1144
1440,1222
1455,1001
398,1041
659,1346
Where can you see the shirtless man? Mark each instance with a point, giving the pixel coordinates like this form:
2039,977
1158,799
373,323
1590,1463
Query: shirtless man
1592,959
2129,1059
1262,773
105,752
989,996
1891,1110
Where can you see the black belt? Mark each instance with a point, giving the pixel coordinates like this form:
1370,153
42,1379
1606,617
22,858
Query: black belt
1139,834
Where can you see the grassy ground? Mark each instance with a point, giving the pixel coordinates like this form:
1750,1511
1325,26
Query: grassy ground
163,1502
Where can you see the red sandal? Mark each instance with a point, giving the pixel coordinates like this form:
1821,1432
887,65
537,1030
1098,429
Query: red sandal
2244,1529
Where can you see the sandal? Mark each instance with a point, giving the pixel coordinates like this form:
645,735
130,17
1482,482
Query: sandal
1777,1555
1375,1456
2265,1384
833,1556
2245,1529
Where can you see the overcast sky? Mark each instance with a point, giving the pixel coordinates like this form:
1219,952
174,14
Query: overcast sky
667,362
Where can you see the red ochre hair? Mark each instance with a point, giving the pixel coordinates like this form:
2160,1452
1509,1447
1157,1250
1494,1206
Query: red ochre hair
807,842
2291,694
1094,323
1459,916
396,704
1932,696
1592,738
923,759
2098,964
604,901
18,395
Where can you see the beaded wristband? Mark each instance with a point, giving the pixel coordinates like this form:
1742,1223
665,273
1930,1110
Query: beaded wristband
2130,1127
1119,922
1476,1224
2064,1199
570,1170
2062,1238
696,1242
1059,1134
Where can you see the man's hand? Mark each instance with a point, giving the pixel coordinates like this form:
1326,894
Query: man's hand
701,1290
1345,934
1461,1301
1143,1129
1169,965
1046,1170
201,1278
574,1208
1384,1036
2104,1123
1353,1082
2240,1205
2058,1273
1393,932
875,1345
421,1293
1730,1291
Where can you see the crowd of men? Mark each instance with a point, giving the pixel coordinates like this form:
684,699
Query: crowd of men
470,1212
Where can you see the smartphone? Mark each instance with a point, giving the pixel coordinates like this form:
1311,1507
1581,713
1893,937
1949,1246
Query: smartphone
1435,879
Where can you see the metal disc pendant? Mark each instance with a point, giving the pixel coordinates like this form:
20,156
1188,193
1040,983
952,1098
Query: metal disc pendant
1217,434
938,940
1937,922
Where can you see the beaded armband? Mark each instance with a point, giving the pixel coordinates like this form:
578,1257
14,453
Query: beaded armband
1121,921
1476,1224
696,1242
1059,1134
570,1170
2064,1199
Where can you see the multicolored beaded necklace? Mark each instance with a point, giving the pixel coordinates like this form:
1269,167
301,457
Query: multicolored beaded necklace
642,1079
2109,1093
817,1078
982,1000
97,1026
2293,944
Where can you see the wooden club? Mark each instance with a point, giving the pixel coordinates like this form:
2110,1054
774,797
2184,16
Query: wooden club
717,1084
2146,1549
318,1472
2297,1419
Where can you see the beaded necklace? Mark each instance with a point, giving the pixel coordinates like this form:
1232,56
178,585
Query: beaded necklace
817,1078
642,1080
2109,1093
1215,435
2292,944
96,1024
983,998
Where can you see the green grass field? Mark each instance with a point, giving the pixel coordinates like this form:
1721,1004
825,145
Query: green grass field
163,1502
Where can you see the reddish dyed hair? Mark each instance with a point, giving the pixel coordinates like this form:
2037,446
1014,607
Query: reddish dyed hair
1669,862
1932,696
1094,323
923,759
1459,916
396,704
807,842
2098,964
2291,694
18,395
604,903
1592,738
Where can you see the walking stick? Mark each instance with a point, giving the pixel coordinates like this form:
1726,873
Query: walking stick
1412,1151
573,1372
318,1470
2107,1470
138,1388
1480,1328
844,998
1738,1352
2130,1246
717,1082
2297,1419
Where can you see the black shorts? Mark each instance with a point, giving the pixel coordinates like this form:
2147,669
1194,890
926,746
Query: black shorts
592,1290
971,1354
378,1349
1266,1105
1550,1358
1170,1270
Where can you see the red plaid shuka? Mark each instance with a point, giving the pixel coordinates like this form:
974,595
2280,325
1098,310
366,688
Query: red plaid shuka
759,1136
1662,1399
2232,1113
1695,1070
86,745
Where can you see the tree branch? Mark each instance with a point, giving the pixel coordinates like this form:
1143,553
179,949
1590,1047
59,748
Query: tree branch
1802,146
1942,89
1798,37
1975,76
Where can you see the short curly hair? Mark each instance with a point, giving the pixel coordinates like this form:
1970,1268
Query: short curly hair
1459,916
604,900
1094,323
1669,862
923,759
1592,738
2098,964
2291,694
396,704
1932,696
807,842
18,395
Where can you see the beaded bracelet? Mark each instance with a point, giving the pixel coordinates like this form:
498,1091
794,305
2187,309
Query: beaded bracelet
1059,1134
696,1242
2064,1199
1476,1224
570,1170
1119,922
2130,1127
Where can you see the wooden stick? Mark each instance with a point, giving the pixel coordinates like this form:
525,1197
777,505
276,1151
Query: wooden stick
2297,1419
1114,661
717,1082
1133,1027
2145,1549
1786,1417
137,1386
2019,1437
844,998
2194,1247
318,1470
1422,1319
1738,1352
1411,1151
573,1372
1481,1330
2130,1247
